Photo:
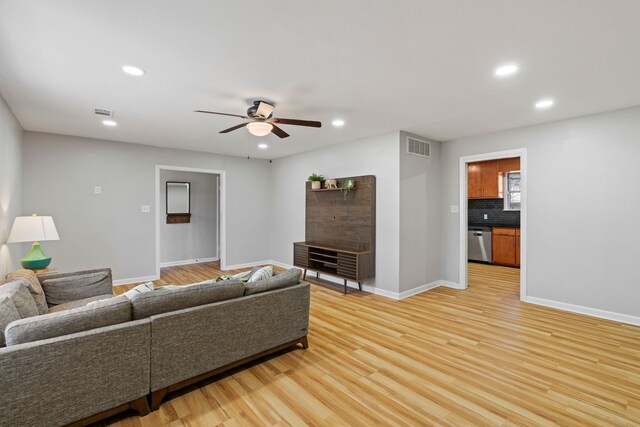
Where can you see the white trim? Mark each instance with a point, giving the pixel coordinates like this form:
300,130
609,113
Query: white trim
369,288
594,312
132,280
452,285
522,153
418,290
187,262
247,264
222,207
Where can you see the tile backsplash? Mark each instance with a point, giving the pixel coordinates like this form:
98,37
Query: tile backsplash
494,209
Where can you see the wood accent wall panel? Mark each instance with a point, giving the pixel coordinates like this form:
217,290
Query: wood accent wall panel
348,224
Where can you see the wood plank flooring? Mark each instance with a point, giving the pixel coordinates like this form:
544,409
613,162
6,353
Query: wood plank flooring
443,357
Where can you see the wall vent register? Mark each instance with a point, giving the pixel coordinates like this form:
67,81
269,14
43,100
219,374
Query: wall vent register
418,147
102,112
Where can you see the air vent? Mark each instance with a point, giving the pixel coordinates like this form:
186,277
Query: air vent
418,147
103,113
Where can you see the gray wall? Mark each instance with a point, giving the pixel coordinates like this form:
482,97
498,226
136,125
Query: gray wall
10,187
109,229
420,215
199,238
583,199
370,156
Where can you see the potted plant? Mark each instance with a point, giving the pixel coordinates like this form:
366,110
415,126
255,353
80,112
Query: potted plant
347,184
316,181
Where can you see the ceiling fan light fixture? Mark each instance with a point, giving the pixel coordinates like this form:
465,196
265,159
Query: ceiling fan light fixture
259,128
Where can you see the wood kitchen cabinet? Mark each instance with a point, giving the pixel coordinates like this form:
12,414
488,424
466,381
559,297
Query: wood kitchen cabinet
509,165
484,178
505,246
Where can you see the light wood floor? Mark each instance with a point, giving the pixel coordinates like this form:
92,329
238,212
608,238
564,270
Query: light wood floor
443,357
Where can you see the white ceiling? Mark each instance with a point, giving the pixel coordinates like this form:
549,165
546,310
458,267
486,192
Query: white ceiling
420,66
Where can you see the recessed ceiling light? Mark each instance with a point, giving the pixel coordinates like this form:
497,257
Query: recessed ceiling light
544,103
263,146
109,123
134,71
506,70
338,122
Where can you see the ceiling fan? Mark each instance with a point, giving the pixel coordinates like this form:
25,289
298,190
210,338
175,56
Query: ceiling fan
260,121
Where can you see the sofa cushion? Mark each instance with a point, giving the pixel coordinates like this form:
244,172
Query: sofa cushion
17,290
8,314
77,304
103,313
283,280
171,298
60,290
33,284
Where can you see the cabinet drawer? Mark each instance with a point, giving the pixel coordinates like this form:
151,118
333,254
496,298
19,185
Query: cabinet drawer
500,231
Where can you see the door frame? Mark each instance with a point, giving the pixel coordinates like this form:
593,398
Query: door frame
222,209
464,160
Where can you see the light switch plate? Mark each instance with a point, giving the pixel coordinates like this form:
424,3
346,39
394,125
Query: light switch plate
454,209
97,189
146,208
486,216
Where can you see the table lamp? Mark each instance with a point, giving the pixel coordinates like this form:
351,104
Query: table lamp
34,229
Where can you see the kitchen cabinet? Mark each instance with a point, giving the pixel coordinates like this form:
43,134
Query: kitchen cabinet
483,180
505,246
518,247
475,183
509,165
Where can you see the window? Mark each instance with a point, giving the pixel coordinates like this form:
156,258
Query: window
512,191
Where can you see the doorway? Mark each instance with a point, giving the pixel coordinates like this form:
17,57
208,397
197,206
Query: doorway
489,232
201,237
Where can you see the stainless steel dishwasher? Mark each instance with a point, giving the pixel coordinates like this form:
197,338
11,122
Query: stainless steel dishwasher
479,244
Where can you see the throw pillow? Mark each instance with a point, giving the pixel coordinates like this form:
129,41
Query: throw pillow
34,286
145,287
284,280
261,274
8,314
21,298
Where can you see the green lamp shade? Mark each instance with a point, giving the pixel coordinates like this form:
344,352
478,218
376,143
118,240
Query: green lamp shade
36,259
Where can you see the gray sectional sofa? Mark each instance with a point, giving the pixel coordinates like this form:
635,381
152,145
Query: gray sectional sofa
91,355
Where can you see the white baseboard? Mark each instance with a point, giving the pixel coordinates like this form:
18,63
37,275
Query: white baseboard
451,285
247,264
187,261
595,312
418,290
131,280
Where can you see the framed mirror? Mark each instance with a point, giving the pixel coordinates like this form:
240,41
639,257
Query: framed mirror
178,202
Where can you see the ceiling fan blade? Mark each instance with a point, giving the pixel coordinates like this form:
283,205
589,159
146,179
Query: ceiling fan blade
276,130
309,123
220,114
264,110
231,129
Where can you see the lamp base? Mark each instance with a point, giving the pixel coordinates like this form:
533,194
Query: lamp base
36,259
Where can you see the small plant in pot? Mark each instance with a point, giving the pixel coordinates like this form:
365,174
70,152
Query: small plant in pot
316,181
347,185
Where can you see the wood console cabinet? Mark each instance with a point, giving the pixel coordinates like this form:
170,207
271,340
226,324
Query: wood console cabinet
340,232
506,246
342,263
